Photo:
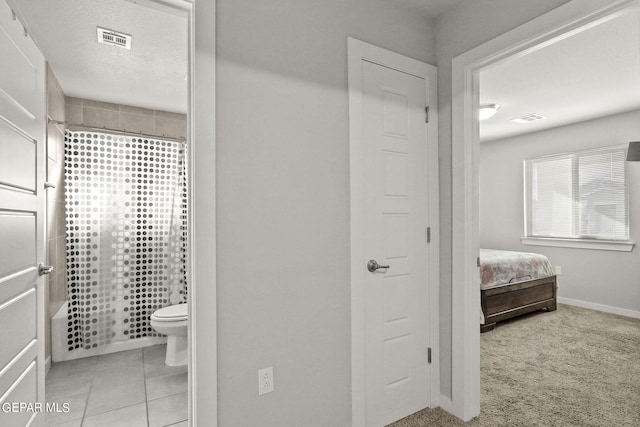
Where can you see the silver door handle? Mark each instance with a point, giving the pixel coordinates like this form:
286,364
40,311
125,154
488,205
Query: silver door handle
373,265
44,269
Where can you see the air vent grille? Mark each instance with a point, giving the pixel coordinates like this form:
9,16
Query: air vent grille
528,118
114,38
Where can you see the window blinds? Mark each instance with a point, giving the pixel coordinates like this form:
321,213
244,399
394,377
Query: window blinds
581,195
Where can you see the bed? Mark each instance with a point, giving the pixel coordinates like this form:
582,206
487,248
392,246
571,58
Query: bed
514,283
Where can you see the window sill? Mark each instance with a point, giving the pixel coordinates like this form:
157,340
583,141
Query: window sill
603,245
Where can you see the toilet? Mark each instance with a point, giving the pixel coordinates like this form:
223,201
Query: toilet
172,322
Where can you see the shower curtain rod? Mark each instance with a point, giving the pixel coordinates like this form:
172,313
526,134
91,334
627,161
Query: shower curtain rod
118,131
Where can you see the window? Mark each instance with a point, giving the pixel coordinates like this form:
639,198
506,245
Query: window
581,195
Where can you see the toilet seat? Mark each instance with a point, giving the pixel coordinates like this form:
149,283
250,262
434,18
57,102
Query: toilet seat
172,313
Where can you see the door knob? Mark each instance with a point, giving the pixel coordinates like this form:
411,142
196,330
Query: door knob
373,265
44,269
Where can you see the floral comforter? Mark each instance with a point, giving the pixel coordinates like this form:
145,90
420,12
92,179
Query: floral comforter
500,267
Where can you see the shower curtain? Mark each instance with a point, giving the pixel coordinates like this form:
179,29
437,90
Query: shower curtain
126,223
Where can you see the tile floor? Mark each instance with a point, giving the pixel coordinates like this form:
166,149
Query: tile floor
132,388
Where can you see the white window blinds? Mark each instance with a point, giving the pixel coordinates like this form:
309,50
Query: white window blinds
580,195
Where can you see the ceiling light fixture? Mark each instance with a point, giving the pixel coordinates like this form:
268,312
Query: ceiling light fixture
486,111
528,118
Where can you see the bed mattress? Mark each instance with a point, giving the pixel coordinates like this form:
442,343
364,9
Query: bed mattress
502,267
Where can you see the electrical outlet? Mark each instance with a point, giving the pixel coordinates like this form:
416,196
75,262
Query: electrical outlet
558,270
265,380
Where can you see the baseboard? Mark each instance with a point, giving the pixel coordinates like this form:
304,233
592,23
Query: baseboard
600,307
446,404
47,365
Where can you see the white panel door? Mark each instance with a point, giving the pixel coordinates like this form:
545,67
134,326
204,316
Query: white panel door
395,221
22,132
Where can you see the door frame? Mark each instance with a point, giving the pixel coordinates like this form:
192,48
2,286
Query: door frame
203,340
357,52
561,22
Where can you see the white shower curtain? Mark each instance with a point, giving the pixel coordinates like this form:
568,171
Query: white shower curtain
126,222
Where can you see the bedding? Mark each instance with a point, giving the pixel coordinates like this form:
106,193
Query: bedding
502,267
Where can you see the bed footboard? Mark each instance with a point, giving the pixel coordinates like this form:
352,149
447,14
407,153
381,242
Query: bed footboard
510,300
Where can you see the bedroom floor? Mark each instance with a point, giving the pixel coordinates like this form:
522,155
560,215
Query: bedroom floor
570,367
132,387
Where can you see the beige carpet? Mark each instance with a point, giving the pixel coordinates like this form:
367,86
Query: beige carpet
571,367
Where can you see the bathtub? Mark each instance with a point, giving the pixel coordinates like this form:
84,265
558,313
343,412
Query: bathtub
60,351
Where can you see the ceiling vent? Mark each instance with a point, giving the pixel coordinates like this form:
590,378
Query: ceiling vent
528,118
114,38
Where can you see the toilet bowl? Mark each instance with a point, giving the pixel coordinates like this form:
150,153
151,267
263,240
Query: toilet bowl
172,322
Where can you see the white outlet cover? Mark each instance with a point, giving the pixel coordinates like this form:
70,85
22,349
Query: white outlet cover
265,380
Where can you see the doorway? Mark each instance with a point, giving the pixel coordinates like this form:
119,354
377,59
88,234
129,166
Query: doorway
140,117
561,22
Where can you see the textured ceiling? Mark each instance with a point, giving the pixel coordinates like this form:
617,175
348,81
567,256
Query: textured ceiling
594,73
428,8
151,75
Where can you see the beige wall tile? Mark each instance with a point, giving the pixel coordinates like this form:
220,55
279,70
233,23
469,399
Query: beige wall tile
99,117
136,122
101,105
60,143
61,255
52,252
56,254
161,115
47,322
57,292
56,106
61,225
171,128
52,146
73,110
136,110
52,221
59,192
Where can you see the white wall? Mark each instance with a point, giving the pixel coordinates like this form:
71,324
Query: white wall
283,201
601,277
461,29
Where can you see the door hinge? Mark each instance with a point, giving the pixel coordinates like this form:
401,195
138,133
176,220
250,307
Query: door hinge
478,262
426,114
427,234
429,355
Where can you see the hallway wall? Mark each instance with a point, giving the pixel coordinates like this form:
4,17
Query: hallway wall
283,201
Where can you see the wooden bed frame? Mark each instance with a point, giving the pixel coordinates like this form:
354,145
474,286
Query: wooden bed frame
513,299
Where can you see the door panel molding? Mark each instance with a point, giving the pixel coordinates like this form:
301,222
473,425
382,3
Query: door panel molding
22,210
358,52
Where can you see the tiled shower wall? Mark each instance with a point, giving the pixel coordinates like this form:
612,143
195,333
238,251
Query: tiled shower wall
89,113
56,289
125,118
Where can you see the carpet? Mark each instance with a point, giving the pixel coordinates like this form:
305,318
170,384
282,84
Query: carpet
571,367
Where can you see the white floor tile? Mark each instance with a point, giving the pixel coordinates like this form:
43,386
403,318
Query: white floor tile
154,365
76,423
119,360
115,396
119,389
108,378
168,410
158,387
60,388
76,409
130,416
59,370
